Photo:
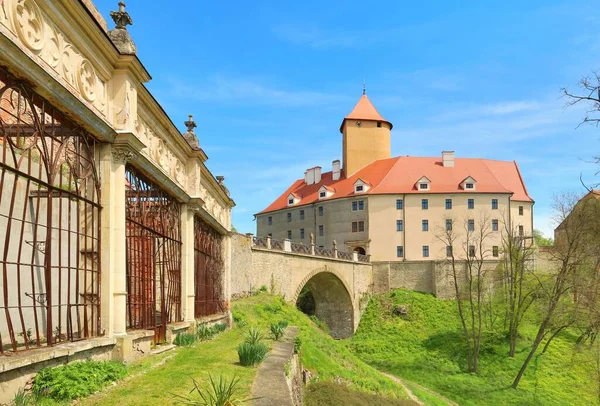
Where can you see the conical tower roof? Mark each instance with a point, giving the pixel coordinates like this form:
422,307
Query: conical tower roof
364,110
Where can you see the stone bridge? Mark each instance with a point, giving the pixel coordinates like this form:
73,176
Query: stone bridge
340,286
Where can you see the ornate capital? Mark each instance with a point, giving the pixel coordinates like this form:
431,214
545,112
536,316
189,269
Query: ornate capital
121,155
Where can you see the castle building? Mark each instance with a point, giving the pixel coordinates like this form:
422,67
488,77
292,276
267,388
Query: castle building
399,208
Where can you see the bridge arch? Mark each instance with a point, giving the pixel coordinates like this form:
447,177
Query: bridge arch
332,298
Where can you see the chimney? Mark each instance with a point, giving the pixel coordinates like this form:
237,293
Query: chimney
309,176
448,159
335,170
317,172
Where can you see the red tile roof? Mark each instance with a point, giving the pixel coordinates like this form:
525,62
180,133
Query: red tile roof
364,110
399,176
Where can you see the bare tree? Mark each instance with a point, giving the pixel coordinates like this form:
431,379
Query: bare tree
571,255
520,286
466,259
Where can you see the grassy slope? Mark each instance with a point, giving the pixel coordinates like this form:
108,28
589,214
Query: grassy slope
426,348
329,359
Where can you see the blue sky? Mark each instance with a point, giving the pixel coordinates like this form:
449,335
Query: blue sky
269,82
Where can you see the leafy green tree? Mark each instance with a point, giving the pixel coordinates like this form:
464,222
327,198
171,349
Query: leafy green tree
542,241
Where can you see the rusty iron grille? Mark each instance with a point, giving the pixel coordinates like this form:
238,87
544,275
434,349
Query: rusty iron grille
208,269
153,247
50,222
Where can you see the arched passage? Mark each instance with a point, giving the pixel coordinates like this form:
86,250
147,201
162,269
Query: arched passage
360,250
331,302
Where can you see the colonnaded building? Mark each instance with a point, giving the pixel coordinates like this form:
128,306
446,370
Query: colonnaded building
399,208
113,232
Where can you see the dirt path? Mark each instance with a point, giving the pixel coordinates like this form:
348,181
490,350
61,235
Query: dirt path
424,389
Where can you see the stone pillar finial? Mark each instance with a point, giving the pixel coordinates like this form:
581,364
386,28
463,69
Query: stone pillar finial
119,36
190,135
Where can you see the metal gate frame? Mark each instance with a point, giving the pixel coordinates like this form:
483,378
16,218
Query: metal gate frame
208,269
50,216
153,246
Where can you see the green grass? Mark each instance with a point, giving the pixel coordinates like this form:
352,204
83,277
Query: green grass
332,394
426,347
329,359
158,385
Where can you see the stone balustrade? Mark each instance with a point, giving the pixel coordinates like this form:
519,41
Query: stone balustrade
267,243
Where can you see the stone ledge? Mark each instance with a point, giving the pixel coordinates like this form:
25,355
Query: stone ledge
35,356
212,318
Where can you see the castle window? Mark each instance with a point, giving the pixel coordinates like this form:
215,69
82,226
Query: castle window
301,214
320,210
379,124
270,220
359,188
494,204
399,225
471,225
289,234
495,251
425,225
358,226
423,186
302,233
425,251
448,204
520,210
448,224
494,225
322,195
321,231
468,186
400,251
424,204
520,231
289,217
471,204
291,201
358,205
448,250
471,250
399,204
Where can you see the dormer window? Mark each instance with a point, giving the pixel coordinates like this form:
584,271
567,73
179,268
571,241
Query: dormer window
423,184
325,192
468,183
293,199
360,186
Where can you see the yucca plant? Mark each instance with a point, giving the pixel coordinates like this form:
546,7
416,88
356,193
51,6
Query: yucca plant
220,392
251,354
254,336
184,339
204,332
23,398
277,331
219,328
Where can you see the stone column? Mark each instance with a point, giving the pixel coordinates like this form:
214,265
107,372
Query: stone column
187,262
113,235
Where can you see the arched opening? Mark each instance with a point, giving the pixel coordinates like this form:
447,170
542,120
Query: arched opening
326,297
360,250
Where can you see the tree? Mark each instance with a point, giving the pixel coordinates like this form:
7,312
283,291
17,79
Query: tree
540,240
520,286
573,256
466,259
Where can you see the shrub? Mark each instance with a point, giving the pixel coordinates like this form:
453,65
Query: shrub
283,323
219,328
263,289
297,345
274,307
220,392
277,331
251,354
23,398
254,336
185,339
73,381
320,323
204,332
239,318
